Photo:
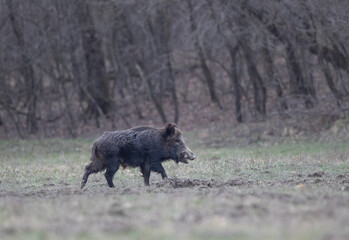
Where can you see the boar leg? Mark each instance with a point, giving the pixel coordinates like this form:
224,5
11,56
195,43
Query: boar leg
157,167
90,168
145,170
112,168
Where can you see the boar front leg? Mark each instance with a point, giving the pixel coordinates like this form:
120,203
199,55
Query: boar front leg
145,170
157,167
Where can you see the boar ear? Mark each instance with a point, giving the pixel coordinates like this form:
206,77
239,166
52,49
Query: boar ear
169,130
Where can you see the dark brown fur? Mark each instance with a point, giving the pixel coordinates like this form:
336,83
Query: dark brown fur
144,147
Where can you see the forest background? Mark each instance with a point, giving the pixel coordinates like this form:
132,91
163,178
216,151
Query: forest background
69,67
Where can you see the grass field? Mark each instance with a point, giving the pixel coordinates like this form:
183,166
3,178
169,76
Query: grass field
291,190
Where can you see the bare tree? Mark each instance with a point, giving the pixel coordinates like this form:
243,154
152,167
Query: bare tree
201,55
96,88
71,65
25,68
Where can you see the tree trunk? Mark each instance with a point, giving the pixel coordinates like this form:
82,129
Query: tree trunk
97,84
236,83
329,80
297,81
206,71
269,69
173,89
26,69
157,104
122,38
164,47
259,90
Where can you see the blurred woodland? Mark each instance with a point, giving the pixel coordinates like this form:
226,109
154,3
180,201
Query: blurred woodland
70,66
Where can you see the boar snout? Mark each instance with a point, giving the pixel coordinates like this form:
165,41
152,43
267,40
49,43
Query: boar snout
190,155
187,155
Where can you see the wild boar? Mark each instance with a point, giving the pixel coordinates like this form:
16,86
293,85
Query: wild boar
144,147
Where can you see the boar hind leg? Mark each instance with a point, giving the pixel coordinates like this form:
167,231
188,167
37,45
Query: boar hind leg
159,169
90,168
112,168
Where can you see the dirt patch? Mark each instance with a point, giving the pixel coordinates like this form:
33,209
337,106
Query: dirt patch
343,178
316,174
192,183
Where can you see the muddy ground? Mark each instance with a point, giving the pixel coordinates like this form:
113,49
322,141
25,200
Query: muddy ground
226,194
314,206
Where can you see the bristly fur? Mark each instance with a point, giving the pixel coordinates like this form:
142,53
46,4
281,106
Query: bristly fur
145,147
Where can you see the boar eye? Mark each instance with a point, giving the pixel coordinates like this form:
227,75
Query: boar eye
178,141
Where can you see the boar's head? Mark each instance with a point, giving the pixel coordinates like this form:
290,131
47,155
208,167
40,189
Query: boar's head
175,144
